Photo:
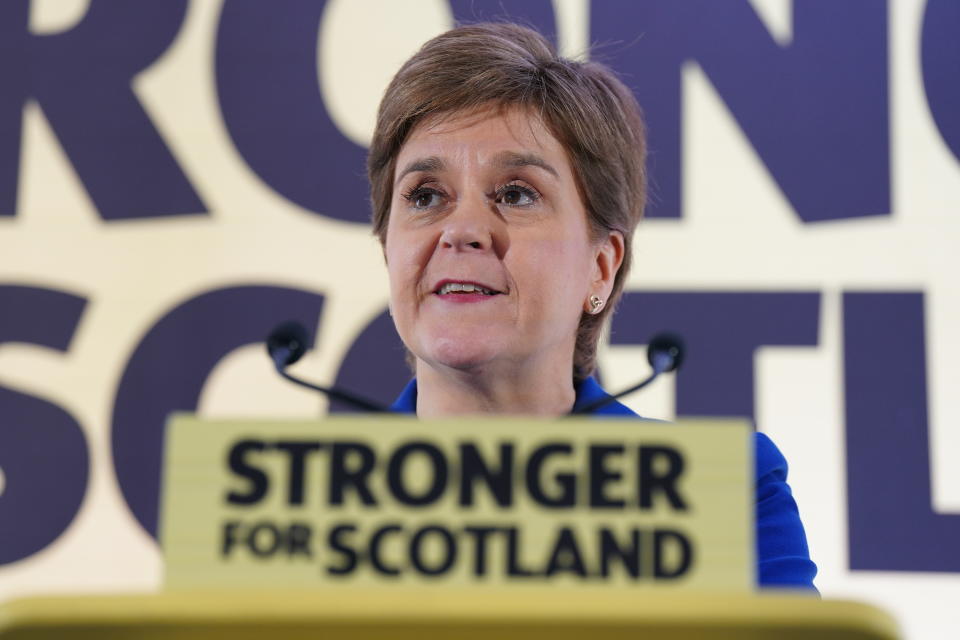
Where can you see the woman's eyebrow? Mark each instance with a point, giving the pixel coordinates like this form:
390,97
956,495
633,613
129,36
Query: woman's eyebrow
503,160
514,159
431,164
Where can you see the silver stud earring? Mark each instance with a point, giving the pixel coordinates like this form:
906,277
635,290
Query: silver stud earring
596,303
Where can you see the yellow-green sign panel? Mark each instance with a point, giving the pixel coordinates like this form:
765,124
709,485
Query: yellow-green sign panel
505,503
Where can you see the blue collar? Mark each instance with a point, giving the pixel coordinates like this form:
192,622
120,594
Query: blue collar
588,391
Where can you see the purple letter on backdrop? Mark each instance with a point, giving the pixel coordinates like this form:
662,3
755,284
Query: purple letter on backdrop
268,84
537,14
815,110
892,523
722,332
375,367
167,371
43,452
267,81
941,68
82,80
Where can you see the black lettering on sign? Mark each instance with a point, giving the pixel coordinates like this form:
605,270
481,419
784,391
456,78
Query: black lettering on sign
566,556
376,540
296,454
240,465
628,554
341,477
438,475
229,539
567,497
514,568
682,554
601,475
499,481
298,540
652,480
480,536
266,539
337,543
447,557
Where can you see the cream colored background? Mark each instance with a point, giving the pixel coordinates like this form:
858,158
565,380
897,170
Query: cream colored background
134,271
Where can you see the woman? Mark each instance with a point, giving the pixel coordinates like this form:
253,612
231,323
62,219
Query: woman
506,184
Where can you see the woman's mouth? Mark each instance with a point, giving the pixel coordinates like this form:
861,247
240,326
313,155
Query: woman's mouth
464,287
460,291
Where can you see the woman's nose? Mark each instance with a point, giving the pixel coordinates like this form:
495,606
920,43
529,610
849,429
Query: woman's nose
469,228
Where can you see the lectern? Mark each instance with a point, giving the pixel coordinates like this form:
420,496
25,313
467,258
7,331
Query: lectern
366,527
247,615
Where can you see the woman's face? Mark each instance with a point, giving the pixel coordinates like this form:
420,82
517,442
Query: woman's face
488,247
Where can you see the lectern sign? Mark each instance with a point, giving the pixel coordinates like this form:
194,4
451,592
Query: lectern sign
506,503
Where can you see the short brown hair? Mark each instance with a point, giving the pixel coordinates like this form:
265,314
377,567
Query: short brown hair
583,104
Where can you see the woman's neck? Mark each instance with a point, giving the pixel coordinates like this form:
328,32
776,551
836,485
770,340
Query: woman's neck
535,391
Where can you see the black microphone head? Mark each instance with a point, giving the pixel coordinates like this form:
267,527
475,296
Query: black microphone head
665,352
287,343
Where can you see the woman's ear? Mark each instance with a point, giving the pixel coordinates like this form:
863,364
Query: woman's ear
609,257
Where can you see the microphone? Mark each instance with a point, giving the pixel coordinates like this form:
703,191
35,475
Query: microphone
287,343
664,353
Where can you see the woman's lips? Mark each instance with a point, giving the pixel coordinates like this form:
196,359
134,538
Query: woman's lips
463,288
464,291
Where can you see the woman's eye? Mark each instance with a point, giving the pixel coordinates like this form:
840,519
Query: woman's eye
516,195
423,198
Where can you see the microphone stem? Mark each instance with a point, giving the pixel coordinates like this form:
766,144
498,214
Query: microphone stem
602,402
337,394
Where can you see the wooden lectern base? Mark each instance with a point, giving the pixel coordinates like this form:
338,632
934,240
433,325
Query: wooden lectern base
428,615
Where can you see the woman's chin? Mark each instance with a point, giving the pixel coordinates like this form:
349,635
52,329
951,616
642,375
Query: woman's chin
462,355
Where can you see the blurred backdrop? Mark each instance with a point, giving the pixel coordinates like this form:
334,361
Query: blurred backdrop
176,177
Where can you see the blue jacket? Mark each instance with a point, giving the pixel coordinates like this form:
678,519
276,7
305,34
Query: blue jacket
783,559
